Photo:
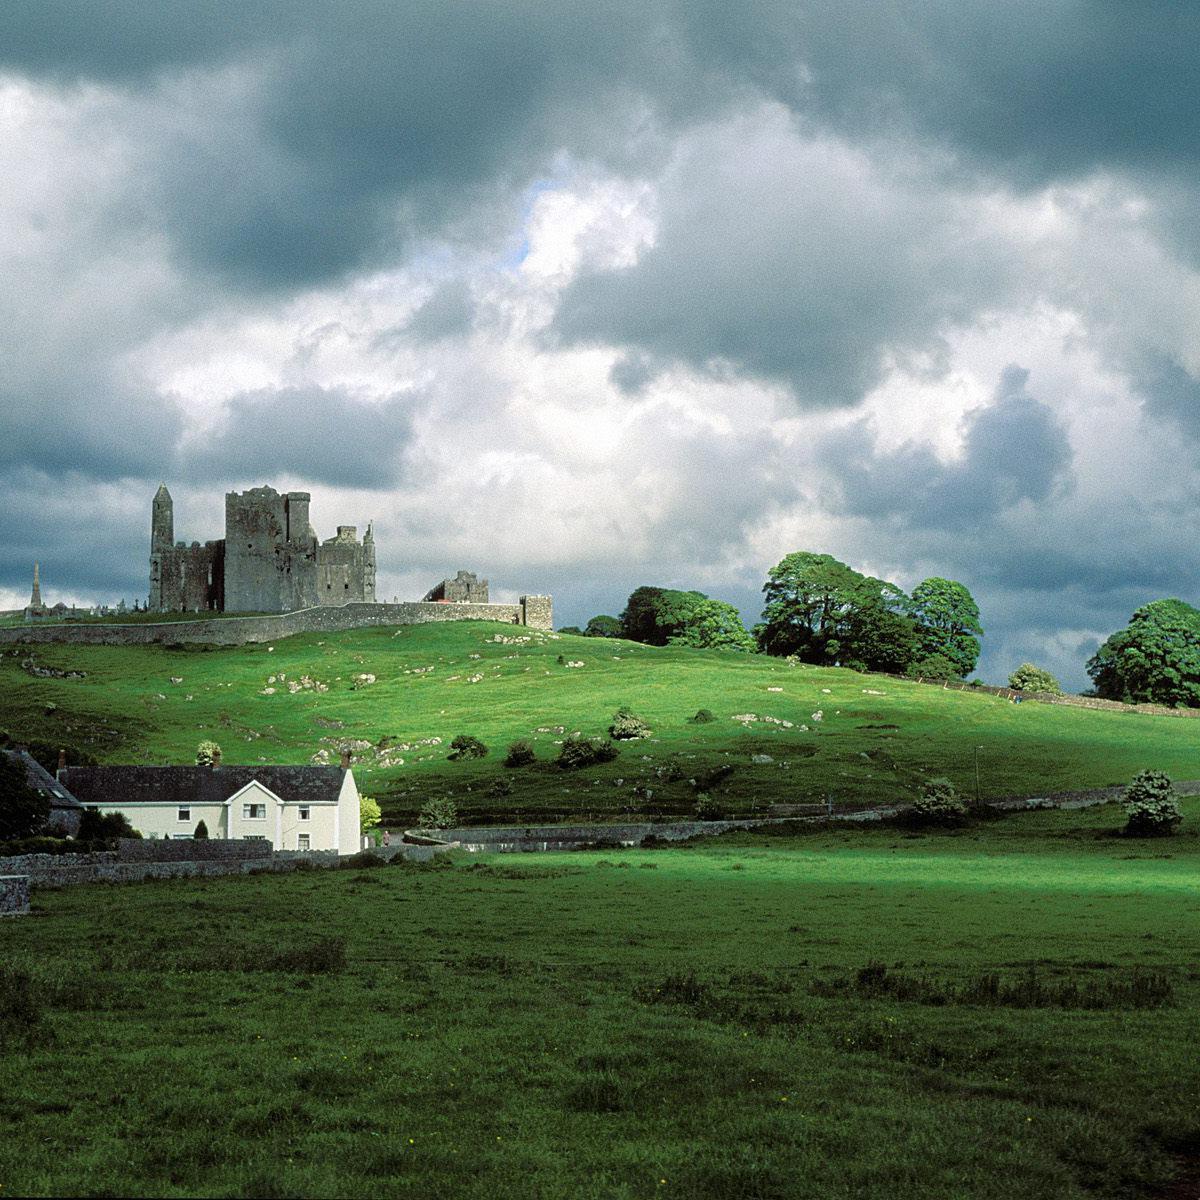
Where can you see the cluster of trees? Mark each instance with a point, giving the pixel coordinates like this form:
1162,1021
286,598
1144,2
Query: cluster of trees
821,611
1154,660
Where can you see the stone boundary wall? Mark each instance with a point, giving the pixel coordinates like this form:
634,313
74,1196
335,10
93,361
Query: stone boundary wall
192,849
1072,701
14,895
535,611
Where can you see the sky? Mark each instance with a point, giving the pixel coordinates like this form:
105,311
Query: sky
589,296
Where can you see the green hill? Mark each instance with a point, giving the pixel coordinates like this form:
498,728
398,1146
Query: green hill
782,734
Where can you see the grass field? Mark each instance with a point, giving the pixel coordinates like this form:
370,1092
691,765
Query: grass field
701,1021
874,739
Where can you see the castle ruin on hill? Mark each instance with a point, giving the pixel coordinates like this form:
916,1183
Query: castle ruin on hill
268,561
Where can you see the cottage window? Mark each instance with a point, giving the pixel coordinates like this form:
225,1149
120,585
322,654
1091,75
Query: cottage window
185,814
302,841
254,812
304,812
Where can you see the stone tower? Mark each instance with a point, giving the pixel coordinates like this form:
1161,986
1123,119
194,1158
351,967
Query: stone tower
162,520
35,601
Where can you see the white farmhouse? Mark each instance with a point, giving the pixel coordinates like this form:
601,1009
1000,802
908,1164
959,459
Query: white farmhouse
294,808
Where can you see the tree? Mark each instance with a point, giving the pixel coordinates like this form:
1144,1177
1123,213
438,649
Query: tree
1155,660
714,625
1030,678
947,620
816,606
1151,805
201,831
95,826
206,752
654,615
369,814
878,639
23,810
572,629
603,626
936,666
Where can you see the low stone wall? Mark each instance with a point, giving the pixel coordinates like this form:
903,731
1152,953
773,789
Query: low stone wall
550,837
192,849
14,895
535,611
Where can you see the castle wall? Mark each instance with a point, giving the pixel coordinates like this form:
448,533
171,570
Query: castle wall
270,552
237,631
345,569
188,578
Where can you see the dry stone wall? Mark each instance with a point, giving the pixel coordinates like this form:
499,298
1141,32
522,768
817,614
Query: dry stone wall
534,611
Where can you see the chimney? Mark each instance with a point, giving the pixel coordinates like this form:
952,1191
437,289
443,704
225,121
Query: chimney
216,758
345,760
62,760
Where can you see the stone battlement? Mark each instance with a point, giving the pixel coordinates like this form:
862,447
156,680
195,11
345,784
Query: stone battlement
535,612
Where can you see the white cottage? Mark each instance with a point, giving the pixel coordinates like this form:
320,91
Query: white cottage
294,808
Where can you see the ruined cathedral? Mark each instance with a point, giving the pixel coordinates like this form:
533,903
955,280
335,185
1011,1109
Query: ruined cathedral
269,560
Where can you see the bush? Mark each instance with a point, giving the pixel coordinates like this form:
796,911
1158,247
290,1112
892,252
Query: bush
1030,678
465,746
1152,805
364,858
205,752
703,717
97,826
201,831
520,754
369,813
626,727
939,804
579,752
933,667
438,814
708,809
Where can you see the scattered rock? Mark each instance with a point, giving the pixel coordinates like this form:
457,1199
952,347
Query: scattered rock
761,759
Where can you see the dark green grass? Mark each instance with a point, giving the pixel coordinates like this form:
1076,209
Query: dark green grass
876,741
625,1024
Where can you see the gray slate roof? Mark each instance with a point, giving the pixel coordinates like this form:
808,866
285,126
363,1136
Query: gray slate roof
41,780
200,785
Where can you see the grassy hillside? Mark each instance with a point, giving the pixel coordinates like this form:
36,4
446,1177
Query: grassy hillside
873,740
703,1022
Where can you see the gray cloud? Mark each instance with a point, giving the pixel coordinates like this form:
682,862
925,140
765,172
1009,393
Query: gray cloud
1015,450
314,433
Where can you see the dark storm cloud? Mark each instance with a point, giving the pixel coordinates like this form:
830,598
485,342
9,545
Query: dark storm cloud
1015,450
1168,390
320,434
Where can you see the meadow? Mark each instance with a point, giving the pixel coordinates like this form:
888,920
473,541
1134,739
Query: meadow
1005,1010
781,734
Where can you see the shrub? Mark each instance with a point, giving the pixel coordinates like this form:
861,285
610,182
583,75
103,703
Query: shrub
364,858
703,717
708,809
97,826
626,727
369,814
939,804
578,752
1152,805
438,814
201,832
465,746
205,753
1030,678
934,667
520,754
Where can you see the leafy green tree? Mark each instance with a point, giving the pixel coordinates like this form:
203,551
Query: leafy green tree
879,639
1155,660
23,810
947,620
369,814
603,626
439,813
935,666
1151,805
654,615
714,625
1030,678
816,606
